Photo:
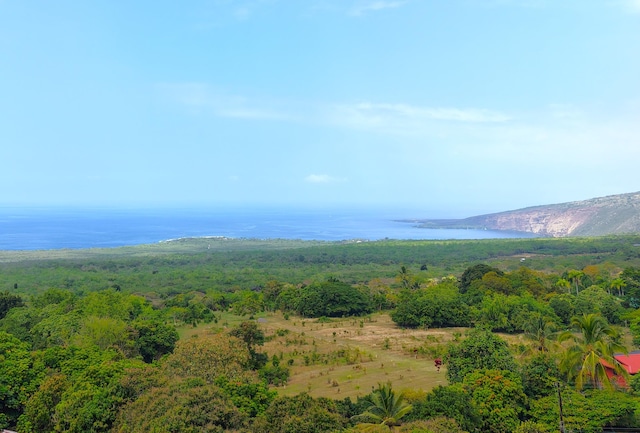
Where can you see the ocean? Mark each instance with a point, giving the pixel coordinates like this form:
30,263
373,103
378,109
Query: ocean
57,228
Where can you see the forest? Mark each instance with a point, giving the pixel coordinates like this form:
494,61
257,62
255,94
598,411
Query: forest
240,335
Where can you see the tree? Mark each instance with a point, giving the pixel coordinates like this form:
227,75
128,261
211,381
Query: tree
9,301
332,299
595,299
541,330
181,406
439,306
575,277
480,350
299,414
476,272
539,375
39,411
593,341
249,332
586,412
618,284
19,377
564,306
563,285
433,425
387,407
207,357
499,397
450,401
153,339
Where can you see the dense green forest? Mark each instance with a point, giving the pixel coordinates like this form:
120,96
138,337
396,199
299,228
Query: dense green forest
98,340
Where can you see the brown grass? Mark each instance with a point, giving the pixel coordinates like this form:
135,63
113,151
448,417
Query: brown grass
362,353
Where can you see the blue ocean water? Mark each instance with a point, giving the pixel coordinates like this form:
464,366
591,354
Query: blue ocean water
56,228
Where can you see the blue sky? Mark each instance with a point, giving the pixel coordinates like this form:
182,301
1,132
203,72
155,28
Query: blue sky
453,107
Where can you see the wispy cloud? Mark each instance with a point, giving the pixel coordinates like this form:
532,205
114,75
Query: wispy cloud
322,179
454,114
407,119
202,97
388,118
364,7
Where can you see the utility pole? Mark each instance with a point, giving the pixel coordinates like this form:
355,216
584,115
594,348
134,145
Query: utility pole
562,429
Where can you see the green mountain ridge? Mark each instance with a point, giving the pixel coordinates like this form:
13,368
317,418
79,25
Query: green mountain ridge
610,215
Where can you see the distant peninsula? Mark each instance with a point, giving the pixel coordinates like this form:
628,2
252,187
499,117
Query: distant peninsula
614,214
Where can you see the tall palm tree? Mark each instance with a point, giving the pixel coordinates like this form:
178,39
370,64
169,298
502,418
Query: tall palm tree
575,276
618,284
387,407
593,341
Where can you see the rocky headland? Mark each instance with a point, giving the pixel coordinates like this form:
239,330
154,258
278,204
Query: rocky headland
615,214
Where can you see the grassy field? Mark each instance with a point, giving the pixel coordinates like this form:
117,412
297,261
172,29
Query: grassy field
341,358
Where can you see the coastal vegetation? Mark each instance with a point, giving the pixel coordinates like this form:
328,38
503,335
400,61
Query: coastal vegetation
254,336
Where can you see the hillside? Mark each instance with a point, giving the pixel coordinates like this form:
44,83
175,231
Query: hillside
615,214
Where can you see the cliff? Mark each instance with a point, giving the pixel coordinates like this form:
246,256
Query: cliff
615,214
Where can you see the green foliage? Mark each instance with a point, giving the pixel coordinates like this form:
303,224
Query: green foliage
563,305
19,376
480,350
499,398
209,357
68,363
275,374
437,306
252,336
511,314
9,301
594,299
251,397
40,409
433,425
475,273
532,427
332,299
153,339
184,406
82,397
386,408
539,374
594,340
299,414
102,332
588,412
630,284
451,401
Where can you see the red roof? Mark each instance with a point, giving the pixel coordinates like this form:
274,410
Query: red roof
630,362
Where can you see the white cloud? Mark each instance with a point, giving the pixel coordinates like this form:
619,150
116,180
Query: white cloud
437,113
322,178
202,97
556,135
407,119
373,6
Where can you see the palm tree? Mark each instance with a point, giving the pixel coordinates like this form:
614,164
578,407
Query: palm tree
563,284
593,342
576,277
386,408
541,331
618,284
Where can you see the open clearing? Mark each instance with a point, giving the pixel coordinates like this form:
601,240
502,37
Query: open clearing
340,358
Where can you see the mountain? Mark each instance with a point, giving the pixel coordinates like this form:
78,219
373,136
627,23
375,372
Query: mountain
614,214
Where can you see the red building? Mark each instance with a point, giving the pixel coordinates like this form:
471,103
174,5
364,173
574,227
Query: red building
630,362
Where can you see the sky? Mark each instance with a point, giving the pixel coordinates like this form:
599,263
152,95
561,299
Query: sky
453,108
